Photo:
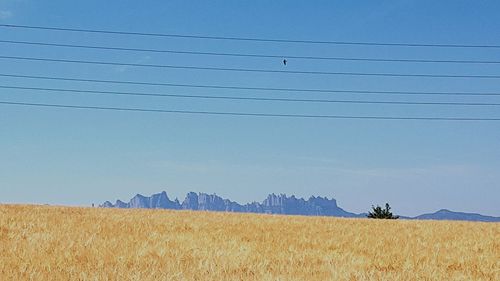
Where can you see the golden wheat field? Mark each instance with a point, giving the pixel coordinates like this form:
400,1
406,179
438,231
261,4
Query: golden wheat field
62,243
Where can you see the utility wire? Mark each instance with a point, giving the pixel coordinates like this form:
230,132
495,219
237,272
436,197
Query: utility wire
247,113
244,98
270,89
420,75
252,55
233,38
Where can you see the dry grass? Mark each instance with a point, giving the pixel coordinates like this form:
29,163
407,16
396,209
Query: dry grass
58,243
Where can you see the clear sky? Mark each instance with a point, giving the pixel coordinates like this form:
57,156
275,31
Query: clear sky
76,157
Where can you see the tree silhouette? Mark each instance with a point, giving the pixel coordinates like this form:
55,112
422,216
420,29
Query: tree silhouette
379,213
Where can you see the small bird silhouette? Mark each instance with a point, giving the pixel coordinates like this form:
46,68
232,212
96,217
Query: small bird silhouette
284,61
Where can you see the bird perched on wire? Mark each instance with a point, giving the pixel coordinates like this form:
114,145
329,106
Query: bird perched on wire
284,62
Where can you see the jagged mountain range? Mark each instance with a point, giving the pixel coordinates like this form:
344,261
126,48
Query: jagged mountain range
273,204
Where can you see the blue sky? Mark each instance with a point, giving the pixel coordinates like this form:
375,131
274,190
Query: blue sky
76,157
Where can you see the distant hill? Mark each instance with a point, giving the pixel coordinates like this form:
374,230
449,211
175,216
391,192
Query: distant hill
273,204
449,215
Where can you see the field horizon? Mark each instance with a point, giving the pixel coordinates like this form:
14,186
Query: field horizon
41,242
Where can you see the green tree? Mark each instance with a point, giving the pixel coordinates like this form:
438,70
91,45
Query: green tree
379,213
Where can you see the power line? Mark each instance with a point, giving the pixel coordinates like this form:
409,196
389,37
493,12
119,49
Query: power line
250,69
247,113
233,38
246,54
245,98
270,89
